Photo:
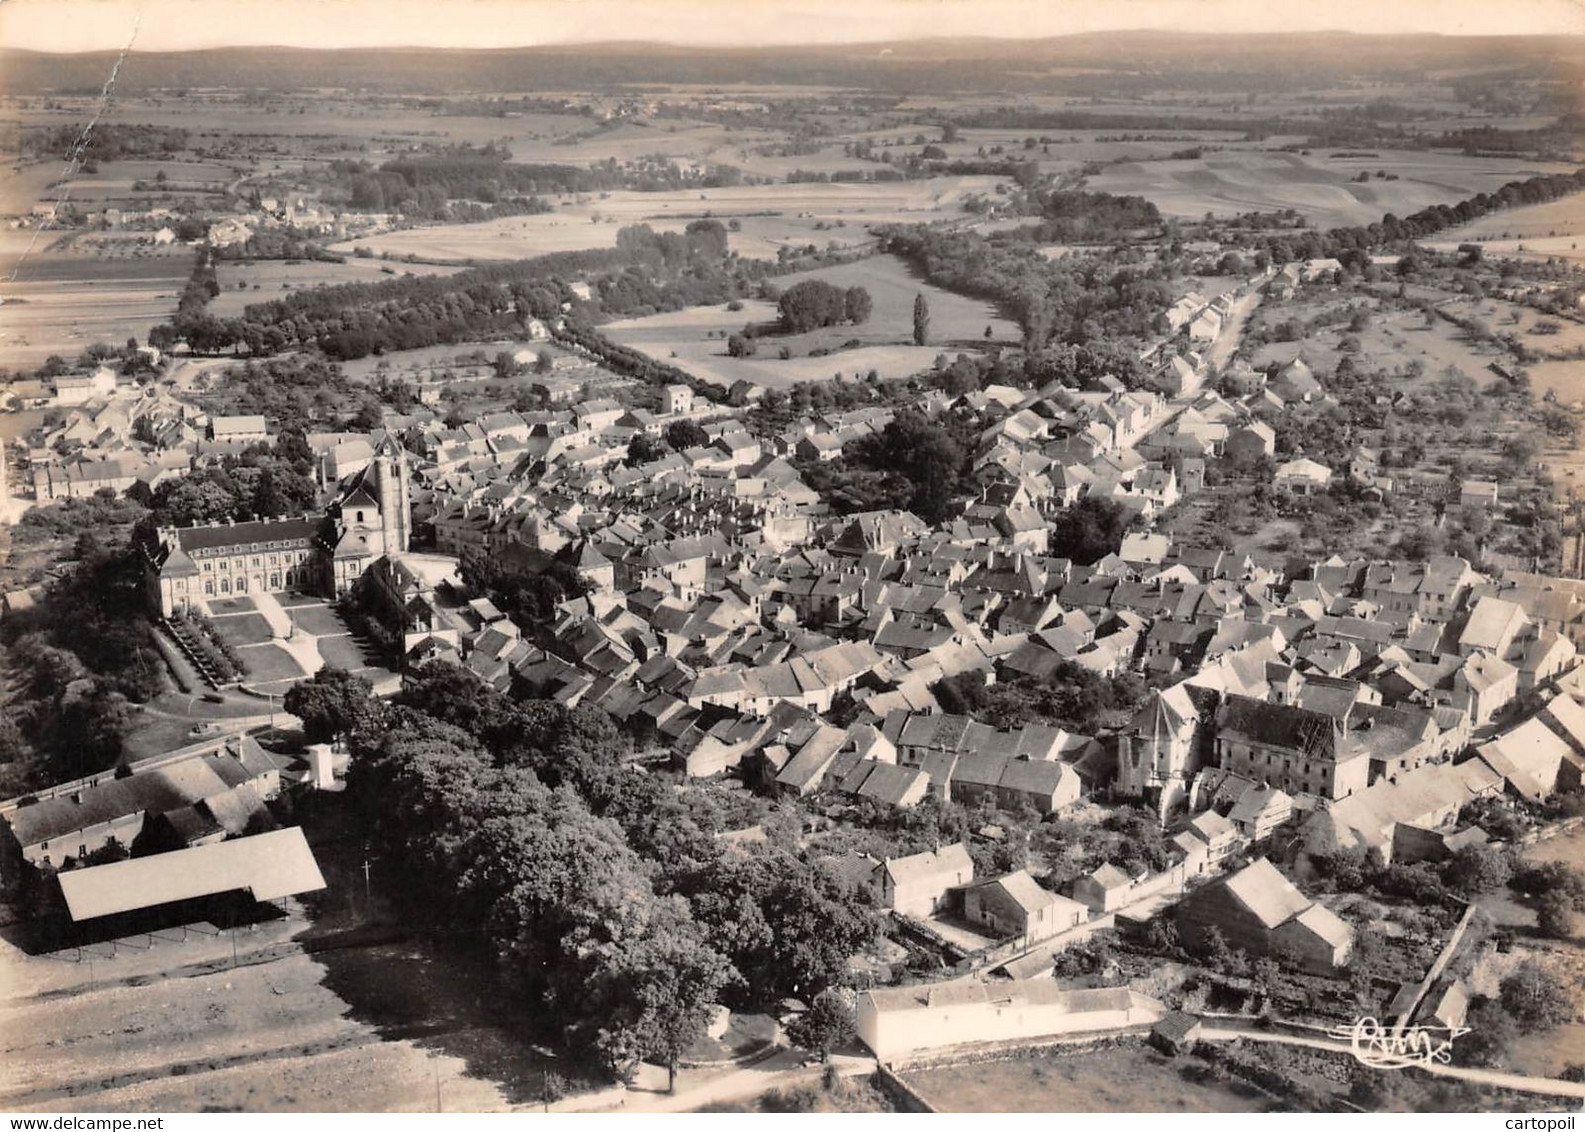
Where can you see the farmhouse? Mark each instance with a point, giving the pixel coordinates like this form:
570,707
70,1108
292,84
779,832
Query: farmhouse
1258,909
209,793
233,430
917,885
81,478
79,388
1427,798
1302,477
1014,905
1106,889
1534,760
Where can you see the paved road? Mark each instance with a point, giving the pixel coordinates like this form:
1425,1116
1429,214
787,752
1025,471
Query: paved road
1546,1085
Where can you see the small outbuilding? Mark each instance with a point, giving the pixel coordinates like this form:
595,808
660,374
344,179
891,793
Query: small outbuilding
1176,1033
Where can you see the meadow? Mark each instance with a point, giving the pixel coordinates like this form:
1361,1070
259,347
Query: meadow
1123,1078
1536,231
696,339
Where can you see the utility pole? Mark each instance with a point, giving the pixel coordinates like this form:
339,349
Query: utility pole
367,896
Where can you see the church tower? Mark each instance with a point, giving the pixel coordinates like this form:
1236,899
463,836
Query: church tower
391,487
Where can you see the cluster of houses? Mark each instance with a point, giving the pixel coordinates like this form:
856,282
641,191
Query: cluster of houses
733,624
1369,702
112,433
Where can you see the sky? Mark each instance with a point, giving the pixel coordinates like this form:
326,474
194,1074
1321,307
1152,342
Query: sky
174,25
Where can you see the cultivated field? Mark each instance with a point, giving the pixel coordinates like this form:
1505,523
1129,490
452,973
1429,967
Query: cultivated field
1318,186
1535,231
60,301
770,216
1123,1078
264,280
695,339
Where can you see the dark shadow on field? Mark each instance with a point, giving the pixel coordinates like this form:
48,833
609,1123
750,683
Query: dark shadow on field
105,936
440,992
1003,310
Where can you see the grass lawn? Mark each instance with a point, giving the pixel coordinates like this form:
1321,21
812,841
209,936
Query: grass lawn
293,600
343,652
1124,1078
320,620
893,287
156,734
268,662
241,629
222,606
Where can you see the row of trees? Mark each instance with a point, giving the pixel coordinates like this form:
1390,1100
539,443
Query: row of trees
647,271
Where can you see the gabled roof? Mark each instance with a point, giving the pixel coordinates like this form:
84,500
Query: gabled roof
1266,894
1109,876
943,862
268,866
1022,890
1279,725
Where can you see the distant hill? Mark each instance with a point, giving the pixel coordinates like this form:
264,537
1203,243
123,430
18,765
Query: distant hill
1219,62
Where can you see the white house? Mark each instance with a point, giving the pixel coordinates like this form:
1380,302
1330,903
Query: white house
1302,477
895,1021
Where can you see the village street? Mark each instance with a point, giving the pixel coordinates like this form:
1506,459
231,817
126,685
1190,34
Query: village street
1232,333
1227,1030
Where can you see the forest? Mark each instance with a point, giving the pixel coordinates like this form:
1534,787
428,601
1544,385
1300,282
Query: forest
107,141
1072,216
80,660
602,893
1067,300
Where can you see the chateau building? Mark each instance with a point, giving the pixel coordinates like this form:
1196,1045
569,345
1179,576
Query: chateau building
325,555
